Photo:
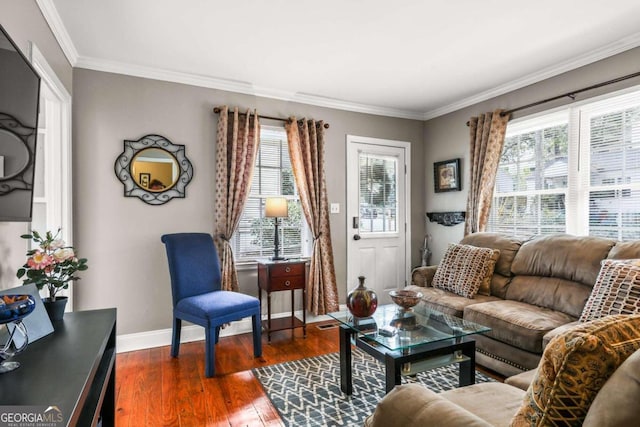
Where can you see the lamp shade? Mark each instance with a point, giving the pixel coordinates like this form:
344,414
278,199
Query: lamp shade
276,207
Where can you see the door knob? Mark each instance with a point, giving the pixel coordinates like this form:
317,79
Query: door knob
356,237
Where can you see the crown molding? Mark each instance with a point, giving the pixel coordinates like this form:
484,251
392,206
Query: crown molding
595,55
98,64
58,29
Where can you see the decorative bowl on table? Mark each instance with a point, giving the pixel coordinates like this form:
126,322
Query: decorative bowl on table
14,307
405,298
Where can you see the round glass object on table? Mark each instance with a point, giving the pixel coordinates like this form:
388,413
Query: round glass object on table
13,308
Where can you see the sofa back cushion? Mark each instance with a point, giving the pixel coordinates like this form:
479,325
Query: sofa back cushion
508,247
573,368
617,402
557,271
625,250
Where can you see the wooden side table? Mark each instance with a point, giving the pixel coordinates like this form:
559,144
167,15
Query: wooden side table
275,276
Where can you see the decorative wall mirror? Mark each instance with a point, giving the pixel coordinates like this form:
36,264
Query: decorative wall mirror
153,169
18,155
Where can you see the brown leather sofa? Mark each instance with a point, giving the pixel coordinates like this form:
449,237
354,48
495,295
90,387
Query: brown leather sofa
538,289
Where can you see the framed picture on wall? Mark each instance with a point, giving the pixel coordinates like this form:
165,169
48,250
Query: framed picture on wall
144,179
447,176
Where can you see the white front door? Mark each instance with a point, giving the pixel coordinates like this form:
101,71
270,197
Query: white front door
377,214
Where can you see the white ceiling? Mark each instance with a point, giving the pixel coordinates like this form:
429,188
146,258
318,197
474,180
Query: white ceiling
411,58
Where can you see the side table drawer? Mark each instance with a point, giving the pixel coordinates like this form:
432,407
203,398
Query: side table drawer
284,283
287,270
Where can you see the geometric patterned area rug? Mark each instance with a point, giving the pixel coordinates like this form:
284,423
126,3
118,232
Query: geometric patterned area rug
307,392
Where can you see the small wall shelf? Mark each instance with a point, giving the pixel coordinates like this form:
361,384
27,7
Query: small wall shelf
446,218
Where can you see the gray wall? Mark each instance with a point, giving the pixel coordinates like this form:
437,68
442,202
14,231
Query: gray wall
121,236
24,22
447,137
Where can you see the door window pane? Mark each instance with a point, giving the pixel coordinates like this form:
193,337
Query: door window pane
378,205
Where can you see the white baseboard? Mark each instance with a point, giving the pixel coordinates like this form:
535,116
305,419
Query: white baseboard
162,337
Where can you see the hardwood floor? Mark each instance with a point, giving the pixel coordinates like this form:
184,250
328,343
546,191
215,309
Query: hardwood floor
153,389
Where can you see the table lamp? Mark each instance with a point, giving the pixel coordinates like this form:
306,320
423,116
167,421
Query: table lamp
276,207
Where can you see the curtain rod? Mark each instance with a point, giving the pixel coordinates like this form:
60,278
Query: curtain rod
218,109
571,94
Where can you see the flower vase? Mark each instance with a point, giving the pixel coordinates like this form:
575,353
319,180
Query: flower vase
362,301
55,309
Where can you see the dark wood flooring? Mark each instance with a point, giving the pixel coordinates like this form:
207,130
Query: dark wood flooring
153,389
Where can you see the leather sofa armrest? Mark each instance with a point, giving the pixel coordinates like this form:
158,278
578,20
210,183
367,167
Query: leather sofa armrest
422,276
414,405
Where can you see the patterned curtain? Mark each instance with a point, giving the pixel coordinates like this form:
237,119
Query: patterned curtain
236,150
487,138
306,149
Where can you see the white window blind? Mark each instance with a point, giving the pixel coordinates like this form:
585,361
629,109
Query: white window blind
378,177
532,179
612,184
272,176
552,179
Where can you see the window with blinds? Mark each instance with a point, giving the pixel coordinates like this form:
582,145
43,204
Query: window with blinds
613,181
532,179
574,171
272,176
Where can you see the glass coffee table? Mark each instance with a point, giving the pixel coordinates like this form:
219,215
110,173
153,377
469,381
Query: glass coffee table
408,342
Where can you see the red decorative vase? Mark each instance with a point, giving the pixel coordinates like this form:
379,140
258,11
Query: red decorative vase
361,301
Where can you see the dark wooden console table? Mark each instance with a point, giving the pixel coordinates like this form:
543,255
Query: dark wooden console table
73,369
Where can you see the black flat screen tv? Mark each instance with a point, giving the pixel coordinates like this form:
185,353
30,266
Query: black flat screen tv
19,103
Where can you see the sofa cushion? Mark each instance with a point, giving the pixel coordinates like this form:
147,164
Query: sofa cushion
550,292
557,331
574,258
516,323
574,367
617,290
480,400
625,250
617,402
448,302
464,269
523,380
507,245
414,405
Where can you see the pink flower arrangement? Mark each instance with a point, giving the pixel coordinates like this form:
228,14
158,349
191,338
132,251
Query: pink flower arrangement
52,264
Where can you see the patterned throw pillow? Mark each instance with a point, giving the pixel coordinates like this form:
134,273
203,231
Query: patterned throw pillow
464,269
616,291
573,368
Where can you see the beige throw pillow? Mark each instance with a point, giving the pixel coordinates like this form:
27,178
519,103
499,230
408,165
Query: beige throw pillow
465,269
616,291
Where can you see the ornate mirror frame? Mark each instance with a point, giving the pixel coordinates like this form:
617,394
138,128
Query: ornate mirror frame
132,189
22,179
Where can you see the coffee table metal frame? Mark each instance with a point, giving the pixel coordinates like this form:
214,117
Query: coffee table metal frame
460,349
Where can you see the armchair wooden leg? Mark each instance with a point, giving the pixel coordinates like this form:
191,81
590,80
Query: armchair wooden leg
175,340
257,335
217,334
210,352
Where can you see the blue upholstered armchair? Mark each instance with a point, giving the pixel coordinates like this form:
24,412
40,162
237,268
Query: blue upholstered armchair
197,297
